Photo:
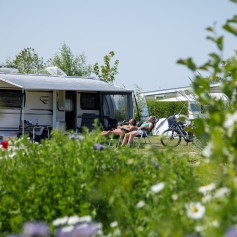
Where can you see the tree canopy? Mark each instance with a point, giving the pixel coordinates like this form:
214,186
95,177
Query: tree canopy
71,64
106,71
27,61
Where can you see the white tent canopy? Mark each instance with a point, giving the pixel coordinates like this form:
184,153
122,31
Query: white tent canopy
193,98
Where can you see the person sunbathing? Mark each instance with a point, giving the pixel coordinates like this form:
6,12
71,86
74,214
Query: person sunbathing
121,128
145,127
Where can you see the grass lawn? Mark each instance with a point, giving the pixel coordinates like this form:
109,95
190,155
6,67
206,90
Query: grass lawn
183,147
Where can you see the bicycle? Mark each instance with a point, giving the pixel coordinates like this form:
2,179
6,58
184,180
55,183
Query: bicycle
173,135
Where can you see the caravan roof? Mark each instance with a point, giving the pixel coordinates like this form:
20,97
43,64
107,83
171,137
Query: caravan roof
44,82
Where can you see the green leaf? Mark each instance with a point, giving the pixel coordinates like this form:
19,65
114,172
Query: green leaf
230,28
191,64
210,29
182,61
220,42
213,39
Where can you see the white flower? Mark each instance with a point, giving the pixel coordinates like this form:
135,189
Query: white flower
230,120
60,221
174,197
195,210
199,228
67,228
207,188
85,219
117,232
140,204
206,198
113,224
215,223
157,187
207,151
221,192
72,220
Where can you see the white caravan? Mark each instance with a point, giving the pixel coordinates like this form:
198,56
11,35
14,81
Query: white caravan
39,103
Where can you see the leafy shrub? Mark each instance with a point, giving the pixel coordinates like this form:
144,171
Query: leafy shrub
166,109
65,177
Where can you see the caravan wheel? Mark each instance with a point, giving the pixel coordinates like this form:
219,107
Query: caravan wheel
170,138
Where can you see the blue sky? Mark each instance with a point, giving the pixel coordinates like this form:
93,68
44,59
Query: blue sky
147,36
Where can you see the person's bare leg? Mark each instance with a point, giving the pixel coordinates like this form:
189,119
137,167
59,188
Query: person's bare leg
125,139
131,137
105,133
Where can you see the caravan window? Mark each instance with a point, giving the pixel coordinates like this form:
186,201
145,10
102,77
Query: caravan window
10,99
90,101
121,107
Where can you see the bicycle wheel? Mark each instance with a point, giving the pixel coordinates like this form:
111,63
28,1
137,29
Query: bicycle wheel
170,138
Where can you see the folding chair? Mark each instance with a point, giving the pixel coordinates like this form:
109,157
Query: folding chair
144,136
119,138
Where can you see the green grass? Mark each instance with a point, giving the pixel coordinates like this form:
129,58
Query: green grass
183,147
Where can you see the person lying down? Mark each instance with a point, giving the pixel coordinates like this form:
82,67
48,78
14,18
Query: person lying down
125,128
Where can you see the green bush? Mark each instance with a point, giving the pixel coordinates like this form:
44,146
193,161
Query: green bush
166,109
64,177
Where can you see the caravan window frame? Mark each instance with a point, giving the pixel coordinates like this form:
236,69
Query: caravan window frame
90,101
11,99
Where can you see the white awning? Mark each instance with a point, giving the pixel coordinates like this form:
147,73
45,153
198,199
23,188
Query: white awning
42,82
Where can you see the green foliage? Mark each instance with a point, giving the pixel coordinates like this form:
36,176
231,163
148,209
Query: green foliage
106,71
72,65
64,177
165,109
27,61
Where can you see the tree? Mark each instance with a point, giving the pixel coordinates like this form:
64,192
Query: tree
72,65
106,71
27,61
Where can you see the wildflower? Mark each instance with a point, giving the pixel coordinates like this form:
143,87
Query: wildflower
174,197
60,221
207,151
230,120
117,232
157,187
72,220
215,223
85,219
99,147
231,232
206,198
199,228
140,204
221,192
65,231
207,188
39,229
85,230
67,228
195,210
113,224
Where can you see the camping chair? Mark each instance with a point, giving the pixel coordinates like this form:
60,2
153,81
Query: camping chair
118,138
87,120
145,136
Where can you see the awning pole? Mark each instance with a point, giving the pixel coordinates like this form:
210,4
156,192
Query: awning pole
138,113
22,111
